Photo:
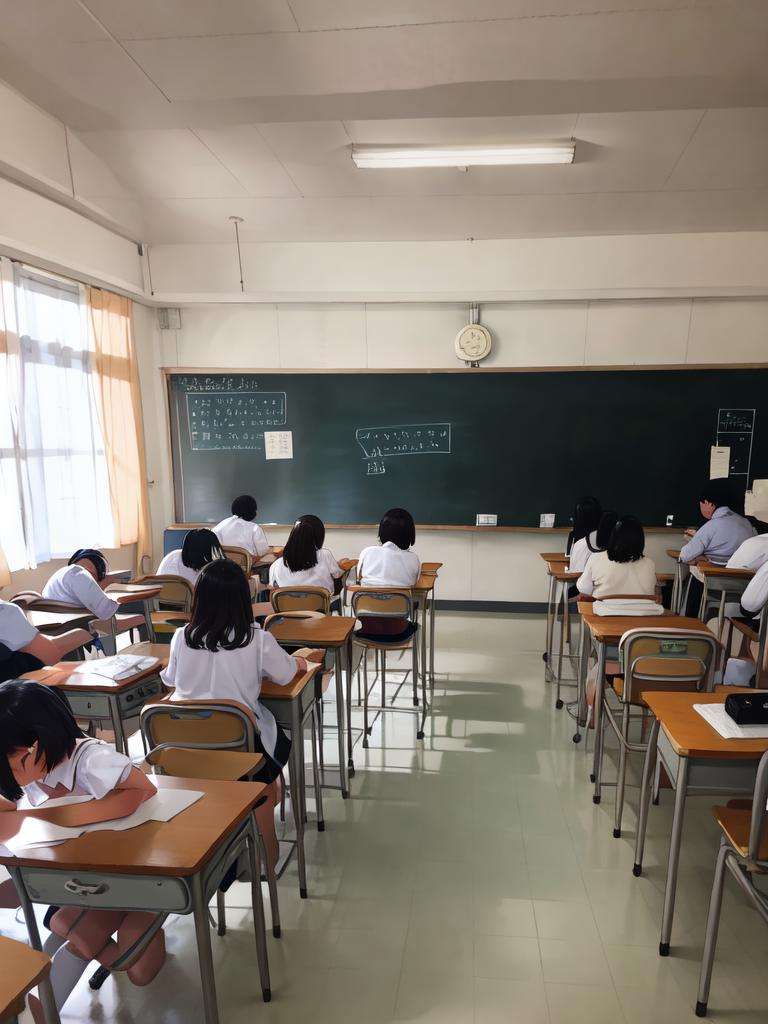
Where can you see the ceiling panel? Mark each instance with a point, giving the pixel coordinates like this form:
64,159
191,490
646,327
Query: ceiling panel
729,150
172,163
242,149
47,21
147,19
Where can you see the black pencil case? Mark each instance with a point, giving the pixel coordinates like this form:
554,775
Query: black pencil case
747,708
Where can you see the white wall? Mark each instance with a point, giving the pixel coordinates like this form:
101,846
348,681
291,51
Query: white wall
480,566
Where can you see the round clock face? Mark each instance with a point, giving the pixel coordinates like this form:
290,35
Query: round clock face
473,342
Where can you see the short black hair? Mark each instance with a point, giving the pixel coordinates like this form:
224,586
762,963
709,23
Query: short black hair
719,492
199,548
94,556
245,507
604,529
627,542
585,519
318,528
29,713
222,615
301,547
398,526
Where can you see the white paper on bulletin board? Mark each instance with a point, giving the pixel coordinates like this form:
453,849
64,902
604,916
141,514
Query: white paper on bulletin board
278,444
719,462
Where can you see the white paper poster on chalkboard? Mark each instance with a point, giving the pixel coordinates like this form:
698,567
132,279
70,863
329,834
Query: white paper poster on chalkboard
278,444
719,461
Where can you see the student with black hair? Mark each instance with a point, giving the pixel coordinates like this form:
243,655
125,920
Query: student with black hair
240,530
623,567
43,754
305,562
582,540
391,562
81,582
24,649
199,548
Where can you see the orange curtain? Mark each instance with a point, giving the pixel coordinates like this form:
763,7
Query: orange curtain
119,400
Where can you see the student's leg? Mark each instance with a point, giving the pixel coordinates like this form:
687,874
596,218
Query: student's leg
695,590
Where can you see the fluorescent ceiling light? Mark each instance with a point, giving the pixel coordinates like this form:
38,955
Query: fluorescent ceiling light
367,157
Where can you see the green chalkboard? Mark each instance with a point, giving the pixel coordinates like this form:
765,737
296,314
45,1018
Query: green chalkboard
450,445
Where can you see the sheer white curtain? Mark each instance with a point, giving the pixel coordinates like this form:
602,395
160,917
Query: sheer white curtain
62,491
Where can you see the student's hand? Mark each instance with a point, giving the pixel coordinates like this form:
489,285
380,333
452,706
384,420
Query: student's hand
301,666
315,655
690,531
118,804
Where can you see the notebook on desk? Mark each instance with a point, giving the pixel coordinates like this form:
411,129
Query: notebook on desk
117,667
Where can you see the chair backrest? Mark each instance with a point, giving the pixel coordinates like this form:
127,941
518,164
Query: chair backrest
241,556
382,603
175,590
759,824
202,724
301,599
666,659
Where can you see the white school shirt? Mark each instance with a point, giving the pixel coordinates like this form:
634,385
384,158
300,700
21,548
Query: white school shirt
754,597
239,533
16,632
231,675
718,538
751,554
602,577
94,768
74,584
387,565
581,552
172,565
320,575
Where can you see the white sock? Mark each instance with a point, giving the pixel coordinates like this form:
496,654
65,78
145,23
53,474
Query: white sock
66,970
53,943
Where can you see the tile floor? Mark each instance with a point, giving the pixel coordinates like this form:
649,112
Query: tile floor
470,880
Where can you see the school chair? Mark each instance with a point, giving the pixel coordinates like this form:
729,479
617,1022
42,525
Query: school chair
757,636
387,604
172,606
651,660
207,739
107,629
301,599
744,851
243,558
23,969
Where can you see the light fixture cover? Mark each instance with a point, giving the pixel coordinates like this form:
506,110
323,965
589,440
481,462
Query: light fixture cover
368,157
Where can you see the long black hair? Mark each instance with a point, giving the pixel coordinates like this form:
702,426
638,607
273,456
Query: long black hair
95,557
222,616
627,543
29,713
397,526
301,547
604,530
199,548
586,517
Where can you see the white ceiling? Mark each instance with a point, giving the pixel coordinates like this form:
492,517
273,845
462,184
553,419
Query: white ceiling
187,111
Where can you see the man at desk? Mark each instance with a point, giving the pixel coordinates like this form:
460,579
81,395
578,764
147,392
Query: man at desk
722,533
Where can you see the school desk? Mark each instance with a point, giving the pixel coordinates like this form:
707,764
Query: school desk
21,970
698,760
171,867
130,593
560,579
52,623
331,633
107,702
424,592
728,584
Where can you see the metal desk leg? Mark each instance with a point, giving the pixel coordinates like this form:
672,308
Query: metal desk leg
581,691
340,719
681,786
121,744
45,990
295,776
432,643
257,903
204,956
424,659
597,718
563,626
147,605
645,798
550,627
348,657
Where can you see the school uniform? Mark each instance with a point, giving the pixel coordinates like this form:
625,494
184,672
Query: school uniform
235,675
235,532
322,574
755,596
582,551
603,578
387,565
75,585
751,554
94,768
16,632
715,541
172,565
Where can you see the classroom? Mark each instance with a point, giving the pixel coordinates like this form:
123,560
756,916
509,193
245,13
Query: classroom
384,511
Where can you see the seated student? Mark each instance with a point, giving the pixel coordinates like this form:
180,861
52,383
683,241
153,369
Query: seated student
716,540
305,561
80,582
740,669
43,754
390,563
222,653
623,567
240,531
756,594
751,554
199,548
582,540
24,649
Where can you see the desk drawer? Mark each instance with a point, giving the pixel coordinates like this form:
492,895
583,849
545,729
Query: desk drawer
94,705
137,696
107,892
726,778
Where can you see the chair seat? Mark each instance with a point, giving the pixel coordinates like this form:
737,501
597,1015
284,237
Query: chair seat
219,765
735,822
123,624
618,685
393,641
168,622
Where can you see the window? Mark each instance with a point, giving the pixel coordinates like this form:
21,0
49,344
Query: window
53,468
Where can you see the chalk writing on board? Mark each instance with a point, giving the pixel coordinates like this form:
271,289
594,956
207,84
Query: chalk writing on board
735,431
221,382
233,421
378,443
740,421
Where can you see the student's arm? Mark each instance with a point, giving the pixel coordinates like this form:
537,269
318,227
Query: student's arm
50,650
697,545
260,542
278,666
168,674
585,584
754,597
91,596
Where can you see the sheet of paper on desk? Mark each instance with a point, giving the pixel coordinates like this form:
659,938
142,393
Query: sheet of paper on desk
719,462
163,806
716,716
119,666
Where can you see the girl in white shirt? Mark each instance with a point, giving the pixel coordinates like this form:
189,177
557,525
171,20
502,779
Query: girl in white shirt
583,535
391,563
222,654
240,531
81,582
24,649
199,548
305,562
44,755
622,569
